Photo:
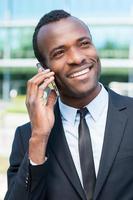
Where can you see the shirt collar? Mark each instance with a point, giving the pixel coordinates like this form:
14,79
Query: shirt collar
95,107
98,104
68,113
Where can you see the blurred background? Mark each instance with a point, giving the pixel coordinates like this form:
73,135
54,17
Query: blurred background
111,25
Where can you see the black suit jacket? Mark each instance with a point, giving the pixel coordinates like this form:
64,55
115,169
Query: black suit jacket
57,179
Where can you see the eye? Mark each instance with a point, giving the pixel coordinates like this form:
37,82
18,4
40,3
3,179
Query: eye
58,53
85,43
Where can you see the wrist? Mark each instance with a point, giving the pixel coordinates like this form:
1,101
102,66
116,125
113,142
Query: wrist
35,164
39,134
37,149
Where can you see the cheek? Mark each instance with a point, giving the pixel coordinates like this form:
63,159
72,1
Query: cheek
57,66
58,69
61,83
92,53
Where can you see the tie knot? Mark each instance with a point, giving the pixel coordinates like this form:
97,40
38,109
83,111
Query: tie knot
83,112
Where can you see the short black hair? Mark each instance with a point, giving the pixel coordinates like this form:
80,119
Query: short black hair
53,16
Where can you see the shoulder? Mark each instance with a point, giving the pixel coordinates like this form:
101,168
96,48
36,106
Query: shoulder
119,97
120,101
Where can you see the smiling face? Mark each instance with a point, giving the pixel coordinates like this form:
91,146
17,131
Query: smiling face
70,53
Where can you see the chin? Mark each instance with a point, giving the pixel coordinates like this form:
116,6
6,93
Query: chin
80,91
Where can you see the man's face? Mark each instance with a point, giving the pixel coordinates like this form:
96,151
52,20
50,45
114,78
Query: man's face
70,53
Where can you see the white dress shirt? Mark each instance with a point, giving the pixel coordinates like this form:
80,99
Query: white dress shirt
96,120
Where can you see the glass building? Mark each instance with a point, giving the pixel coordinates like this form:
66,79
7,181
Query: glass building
111,25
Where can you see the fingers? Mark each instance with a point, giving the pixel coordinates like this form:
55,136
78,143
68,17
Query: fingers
38,80
44,85
37,84
40,77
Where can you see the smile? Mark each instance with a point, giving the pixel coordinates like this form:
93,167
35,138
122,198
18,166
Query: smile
80,73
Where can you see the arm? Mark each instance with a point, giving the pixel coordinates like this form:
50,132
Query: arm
26,181
23,178
19,167
41,113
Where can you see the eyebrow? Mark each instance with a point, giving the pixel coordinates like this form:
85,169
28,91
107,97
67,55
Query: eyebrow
83,38
63,46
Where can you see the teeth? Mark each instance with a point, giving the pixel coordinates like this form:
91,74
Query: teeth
80,73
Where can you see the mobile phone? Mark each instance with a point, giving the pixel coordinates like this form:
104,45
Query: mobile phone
52,85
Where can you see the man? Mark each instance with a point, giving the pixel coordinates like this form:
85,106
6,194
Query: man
49,156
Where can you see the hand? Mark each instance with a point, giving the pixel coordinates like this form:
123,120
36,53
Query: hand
41,112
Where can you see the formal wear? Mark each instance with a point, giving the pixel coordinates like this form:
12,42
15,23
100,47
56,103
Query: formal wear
58,178
96,121
86,155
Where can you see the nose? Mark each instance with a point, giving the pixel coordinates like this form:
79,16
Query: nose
75,57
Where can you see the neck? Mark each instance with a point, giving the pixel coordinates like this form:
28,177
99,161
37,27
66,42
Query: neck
80,102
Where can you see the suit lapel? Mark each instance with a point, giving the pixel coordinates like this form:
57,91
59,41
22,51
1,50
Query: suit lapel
116,121
60,148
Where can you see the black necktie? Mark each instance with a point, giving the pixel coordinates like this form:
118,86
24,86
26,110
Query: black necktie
86,156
